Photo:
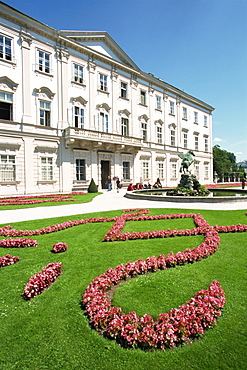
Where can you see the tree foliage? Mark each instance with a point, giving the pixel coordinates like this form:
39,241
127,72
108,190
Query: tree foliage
223,161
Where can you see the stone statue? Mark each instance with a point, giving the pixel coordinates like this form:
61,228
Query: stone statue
187,160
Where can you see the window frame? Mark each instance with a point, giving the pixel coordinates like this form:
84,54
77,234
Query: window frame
173,137
78,73
196,117
47,113
104,122
172,108
4,48
103,82
7,103
123,90
144,131
143,97
158,102
47,169
124,126
196,141
11,171
185,113
145,170
41,66
80,169
185,139
78,117
126,170
159,134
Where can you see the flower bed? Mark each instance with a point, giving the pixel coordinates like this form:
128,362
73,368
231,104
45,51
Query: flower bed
8,260
41,281
59,247
35,199
18,243
179,325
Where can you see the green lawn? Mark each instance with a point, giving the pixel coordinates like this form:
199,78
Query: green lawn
81,198
52,332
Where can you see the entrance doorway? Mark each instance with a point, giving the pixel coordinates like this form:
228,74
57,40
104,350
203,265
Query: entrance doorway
105,172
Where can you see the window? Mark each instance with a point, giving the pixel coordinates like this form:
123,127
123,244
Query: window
103,122
173,169
197,169
206,171
143,97
5,48
123,90
46,169
185,113
195,117
44,62
126,170
144,131
45,113
172,110
205,121
80,169
159,134
79,117
160,170
6,106
7,168
173,137
185,139
78,73
196,142
102,82
158,102
145,170
206,144
124,127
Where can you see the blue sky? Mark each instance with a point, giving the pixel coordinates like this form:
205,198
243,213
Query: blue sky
199,46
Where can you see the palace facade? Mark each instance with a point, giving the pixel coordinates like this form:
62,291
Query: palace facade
74,106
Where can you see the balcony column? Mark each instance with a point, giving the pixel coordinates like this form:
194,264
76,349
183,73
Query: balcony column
179,130
91,69
134,128
62,82
114,77
26,41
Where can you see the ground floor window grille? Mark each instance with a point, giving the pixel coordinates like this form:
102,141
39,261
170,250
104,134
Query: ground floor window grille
80,170
7,168
126,170
173,170
160,170
46,169
145,170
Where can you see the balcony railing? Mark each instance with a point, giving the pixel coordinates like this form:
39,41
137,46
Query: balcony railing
104,137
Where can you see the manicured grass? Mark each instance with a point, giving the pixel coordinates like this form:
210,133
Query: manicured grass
81,198
52,332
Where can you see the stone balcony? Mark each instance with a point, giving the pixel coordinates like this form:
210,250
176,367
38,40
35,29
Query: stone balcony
75,137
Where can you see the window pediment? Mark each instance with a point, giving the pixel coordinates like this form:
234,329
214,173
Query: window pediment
44,93
79,99
143,117
103,106
6,84
159,121
124,112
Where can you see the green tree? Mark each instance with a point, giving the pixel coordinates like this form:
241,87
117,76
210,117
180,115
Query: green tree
223,161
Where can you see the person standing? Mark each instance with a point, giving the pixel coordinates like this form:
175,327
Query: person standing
109,187
118,185
243,182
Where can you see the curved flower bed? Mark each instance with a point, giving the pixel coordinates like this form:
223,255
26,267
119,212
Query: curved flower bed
59,247
18,243
178,326
8,260
41,281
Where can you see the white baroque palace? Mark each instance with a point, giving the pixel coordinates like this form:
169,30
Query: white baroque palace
74,106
